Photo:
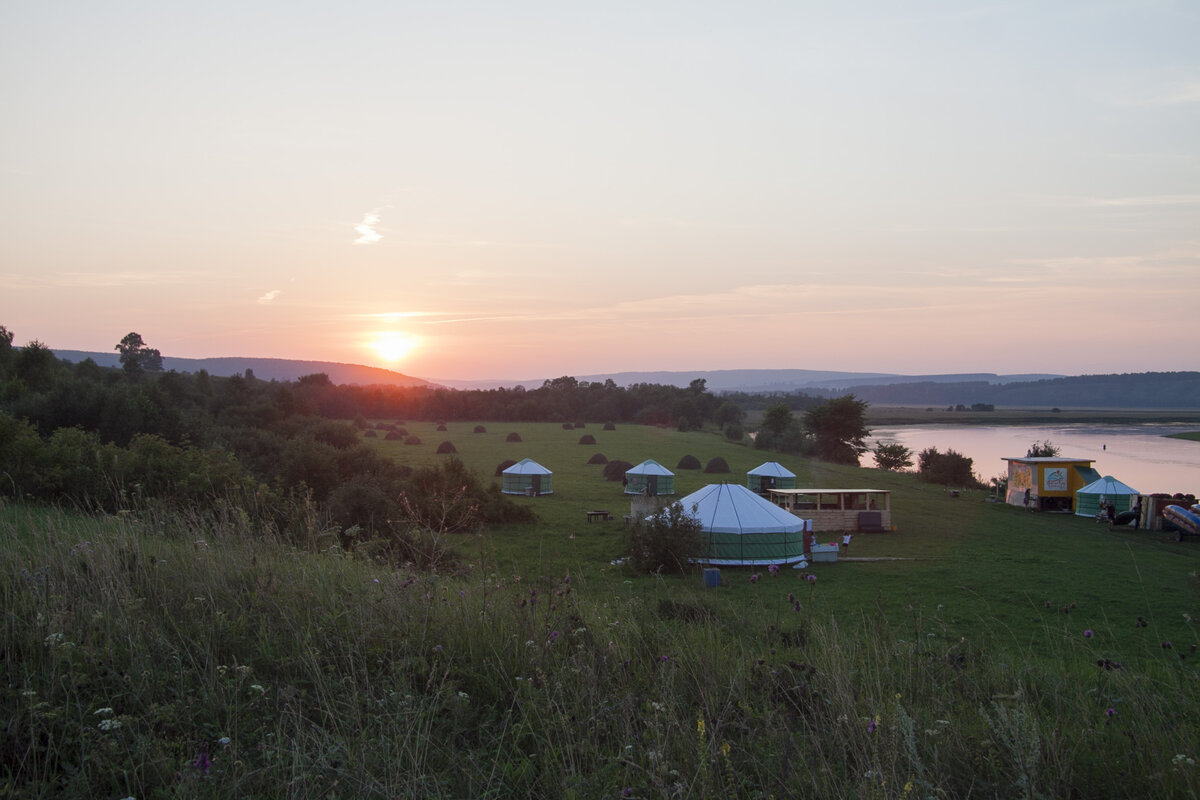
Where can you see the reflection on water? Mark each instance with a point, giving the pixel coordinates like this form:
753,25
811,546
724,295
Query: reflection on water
1138,455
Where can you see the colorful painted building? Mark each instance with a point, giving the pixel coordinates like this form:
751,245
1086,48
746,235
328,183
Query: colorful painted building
1047,483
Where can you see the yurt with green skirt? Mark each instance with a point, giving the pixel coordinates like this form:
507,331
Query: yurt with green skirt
649,478
768,476
1106,491
527,477
741,528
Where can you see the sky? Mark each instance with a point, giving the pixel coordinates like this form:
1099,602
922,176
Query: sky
471,190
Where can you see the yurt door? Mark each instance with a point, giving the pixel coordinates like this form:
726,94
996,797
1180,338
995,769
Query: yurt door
652,485
764,484
536,480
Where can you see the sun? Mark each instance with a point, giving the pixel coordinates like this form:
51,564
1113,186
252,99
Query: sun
392,346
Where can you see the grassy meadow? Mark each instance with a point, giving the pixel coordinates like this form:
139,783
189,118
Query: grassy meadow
978,651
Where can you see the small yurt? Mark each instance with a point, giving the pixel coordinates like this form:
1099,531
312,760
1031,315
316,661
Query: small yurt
527,477
768,476
1108,488
740,527
649,478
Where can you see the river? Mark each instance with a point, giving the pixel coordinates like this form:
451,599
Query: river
1138,455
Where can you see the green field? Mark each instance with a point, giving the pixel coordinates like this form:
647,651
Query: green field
978,651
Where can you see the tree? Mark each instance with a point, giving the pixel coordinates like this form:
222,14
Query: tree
948,468
666,542
136,357
1043,450
839,426
777,418
892,456
728,412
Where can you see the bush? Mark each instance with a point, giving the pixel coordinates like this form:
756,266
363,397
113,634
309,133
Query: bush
948,468
480,429
717,464
503,465
446,447
688,462
513,437
587,438
666,542
734,432
608,426
615,470
598,458
413,440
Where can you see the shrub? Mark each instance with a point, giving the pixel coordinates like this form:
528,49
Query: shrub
615,470
503,465
413,440
587,438
598,458
480,429
734,432
948,468
608,426
688,462
446,447
666,542
892,456
513,437
717,464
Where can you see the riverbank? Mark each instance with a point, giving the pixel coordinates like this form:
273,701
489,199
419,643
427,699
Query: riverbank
912,415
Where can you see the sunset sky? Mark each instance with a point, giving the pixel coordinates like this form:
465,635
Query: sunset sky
521,190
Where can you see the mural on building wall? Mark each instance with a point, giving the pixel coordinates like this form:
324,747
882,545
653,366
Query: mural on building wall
1055,479
1022,477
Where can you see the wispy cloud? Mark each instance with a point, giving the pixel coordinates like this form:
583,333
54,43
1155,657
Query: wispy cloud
98,279
269,297
366,229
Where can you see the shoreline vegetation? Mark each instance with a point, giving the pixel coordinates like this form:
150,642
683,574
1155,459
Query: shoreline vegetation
877,416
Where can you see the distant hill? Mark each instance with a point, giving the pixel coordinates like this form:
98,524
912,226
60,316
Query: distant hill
267,369
1166,390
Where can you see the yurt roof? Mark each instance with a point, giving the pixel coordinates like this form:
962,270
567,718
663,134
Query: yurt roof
772,469
649,467
732,508
527,466
1108,485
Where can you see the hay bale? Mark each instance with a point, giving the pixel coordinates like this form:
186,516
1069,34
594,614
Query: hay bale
513,437
717,464
615,470
503,465
392,436
480,429
587,438
568,426
413,440
441,426
598,458
689,462
370,434
608,426
446,447
579,425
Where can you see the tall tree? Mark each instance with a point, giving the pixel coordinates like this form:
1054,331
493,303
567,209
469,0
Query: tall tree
136,356
840,429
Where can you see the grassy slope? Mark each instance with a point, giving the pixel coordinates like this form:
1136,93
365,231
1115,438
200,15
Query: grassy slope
331,676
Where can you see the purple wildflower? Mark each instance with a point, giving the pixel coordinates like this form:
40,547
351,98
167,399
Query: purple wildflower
203,763
773,569
871,725
1088,634
810,578
754,578
1110,712
554,635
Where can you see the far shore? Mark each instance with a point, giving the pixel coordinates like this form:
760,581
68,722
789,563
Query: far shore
913,415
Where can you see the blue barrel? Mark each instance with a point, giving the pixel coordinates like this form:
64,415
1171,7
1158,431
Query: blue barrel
712,577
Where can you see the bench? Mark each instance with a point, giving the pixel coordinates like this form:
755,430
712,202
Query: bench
600,515
871,522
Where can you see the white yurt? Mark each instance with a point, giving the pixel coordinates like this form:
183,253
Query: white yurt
1120,495
740,527
527,477
649,478
770,475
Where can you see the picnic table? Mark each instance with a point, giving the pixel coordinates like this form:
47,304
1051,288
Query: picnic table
600,515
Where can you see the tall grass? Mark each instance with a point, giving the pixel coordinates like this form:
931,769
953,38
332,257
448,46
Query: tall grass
158,656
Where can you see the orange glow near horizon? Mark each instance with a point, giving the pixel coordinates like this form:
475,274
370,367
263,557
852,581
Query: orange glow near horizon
392,346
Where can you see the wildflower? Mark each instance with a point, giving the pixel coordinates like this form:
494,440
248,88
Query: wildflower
774,568
1166,645
258,687
224,740
554,635
109,724
810,578
203,763
1181,759
437,648
791,597
627,792
1088,633
376,580
1110,712
701,729
873,724
754,578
